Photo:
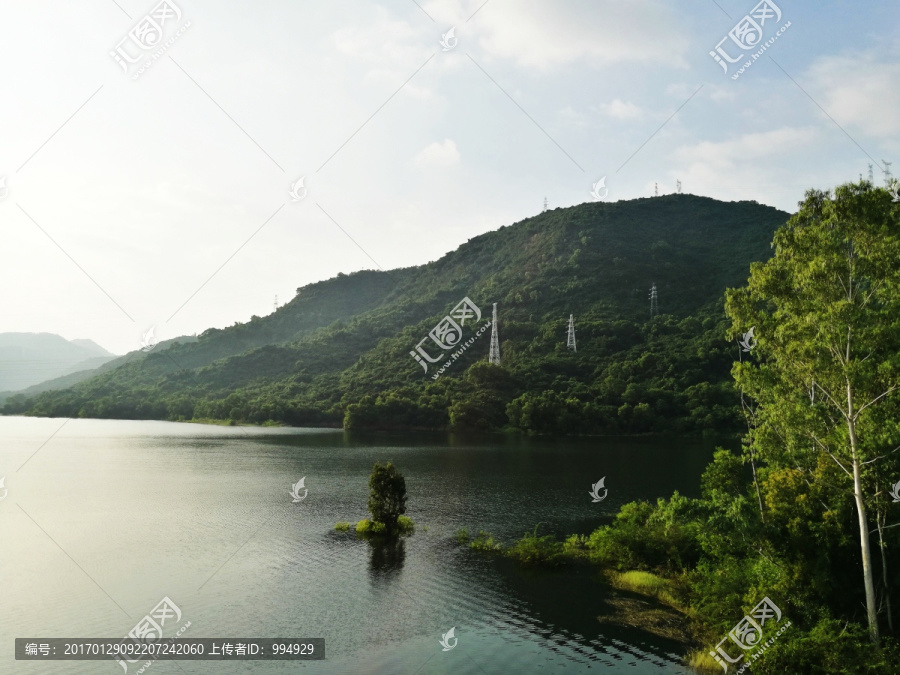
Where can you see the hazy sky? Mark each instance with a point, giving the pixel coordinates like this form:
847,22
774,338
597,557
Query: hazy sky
126,192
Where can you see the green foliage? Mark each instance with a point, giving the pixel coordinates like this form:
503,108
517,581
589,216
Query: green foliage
485,542
387,498
644,537
575,546
462,536
534,550
829,646
405,525
342,526
368,527
339,352
826,312
825,308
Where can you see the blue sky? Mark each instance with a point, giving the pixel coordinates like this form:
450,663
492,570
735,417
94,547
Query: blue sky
164,200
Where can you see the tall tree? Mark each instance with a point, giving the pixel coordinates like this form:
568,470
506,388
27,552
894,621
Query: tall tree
387,500
826,369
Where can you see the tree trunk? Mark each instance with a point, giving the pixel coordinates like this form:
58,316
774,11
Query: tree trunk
871,609
762,516
879,519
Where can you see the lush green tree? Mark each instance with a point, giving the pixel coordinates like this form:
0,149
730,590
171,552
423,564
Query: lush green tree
387,499
825,373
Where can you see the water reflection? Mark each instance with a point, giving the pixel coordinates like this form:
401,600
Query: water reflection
386,557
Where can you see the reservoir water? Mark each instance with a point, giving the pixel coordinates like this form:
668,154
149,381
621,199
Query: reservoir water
103,519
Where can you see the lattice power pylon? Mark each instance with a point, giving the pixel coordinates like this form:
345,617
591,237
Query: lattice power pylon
494,356
654,306
570,342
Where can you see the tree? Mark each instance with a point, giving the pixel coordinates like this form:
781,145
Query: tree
826,369
387,500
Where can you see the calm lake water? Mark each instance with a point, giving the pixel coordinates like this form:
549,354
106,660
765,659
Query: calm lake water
104,518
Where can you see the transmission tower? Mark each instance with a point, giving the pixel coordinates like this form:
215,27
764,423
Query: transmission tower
276,302
678,186
656,189
888,179
494,356
570,343
871,175
545,203
654,307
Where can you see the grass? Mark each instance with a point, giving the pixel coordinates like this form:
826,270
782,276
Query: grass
648,584
702,662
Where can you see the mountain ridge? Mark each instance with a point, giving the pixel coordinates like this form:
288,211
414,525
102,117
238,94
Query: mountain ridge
346,341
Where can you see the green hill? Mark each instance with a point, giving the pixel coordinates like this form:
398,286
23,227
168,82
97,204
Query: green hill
339,352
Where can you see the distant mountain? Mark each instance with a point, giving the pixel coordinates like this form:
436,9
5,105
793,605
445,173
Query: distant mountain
84,370
339,352
27,359
91,346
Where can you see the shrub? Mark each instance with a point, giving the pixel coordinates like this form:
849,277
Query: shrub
366,526
575,546
342,526
485,542
405,525
534,550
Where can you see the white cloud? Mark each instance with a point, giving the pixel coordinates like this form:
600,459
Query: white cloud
390,49
592,32
438,154
748,166
572,118
382,39
742,151
860,90
621,110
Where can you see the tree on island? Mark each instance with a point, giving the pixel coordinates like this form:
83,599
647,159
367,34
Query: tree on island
825,376
387,500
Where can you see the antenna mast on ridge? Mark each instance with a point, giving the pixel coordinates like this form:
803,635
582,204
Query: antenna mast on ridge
570,342
494,356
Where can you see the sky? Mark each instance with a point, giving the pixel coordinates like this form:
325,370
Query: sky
179,164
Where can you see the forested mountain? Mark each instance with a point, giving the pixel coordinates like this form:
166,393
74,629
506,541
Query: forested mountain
339,352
